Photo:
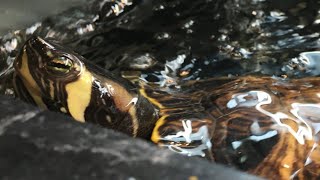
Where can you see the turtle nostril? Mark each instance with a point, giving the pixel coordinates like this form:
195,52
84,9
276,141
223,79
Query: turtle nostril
34,40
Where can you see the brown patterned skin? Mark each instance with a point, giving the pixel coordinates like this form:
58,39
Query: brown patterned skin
262,125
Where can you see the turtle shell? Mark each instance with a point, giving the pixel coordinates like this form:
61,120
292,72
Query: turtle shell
266,126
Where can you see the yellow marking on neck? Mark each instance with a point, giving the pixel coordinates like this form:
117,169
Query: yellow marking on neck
79,95
51,89
135,122
155,133
30,84
152,100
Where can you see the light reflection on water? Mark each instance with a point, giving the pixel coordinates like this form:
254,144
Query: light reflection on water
175,43
308,125
307,63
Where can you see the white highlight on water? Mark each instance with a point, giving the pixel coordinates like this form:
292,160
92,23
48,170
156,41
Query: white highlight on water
187,136
259,98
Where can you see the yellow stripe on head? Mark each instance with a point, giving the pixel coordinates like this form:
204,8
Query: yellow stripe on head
29,82
51,89
135,122
79,94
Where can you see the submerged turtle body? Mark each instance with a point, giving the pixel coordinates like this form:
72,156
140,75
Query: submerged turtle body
266,126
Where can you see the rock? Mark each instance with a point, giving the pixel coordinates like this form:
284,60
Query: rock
39,144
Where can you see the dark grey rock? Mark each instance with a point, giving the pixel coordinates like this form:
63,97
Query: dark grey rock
38,144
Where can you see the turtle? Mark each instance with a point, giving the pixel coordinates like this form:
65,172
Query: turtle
266,126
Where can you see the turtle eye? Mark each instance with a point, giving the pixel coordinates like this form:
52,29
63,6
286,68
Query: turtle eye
59,65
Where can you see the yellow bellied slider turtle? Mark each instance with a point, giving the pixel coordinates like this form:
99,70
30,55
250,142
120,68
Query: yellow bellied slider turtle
266,126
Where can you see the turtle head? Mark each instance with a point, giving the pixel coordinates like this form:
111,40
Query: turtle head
47,60
41,67
54,77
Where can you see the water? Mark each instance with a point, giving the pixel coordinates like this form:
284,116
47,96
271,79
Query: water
217,38
168,42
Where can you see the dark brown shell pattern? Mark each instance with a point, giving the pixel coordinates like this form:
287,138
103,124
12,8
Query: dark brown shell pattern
265,126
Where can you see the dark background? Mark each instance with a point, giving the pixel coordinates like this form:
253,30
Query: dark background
17,14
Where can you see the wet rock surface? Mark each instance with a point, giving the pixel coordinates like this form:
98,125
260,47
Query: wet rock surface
37,144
